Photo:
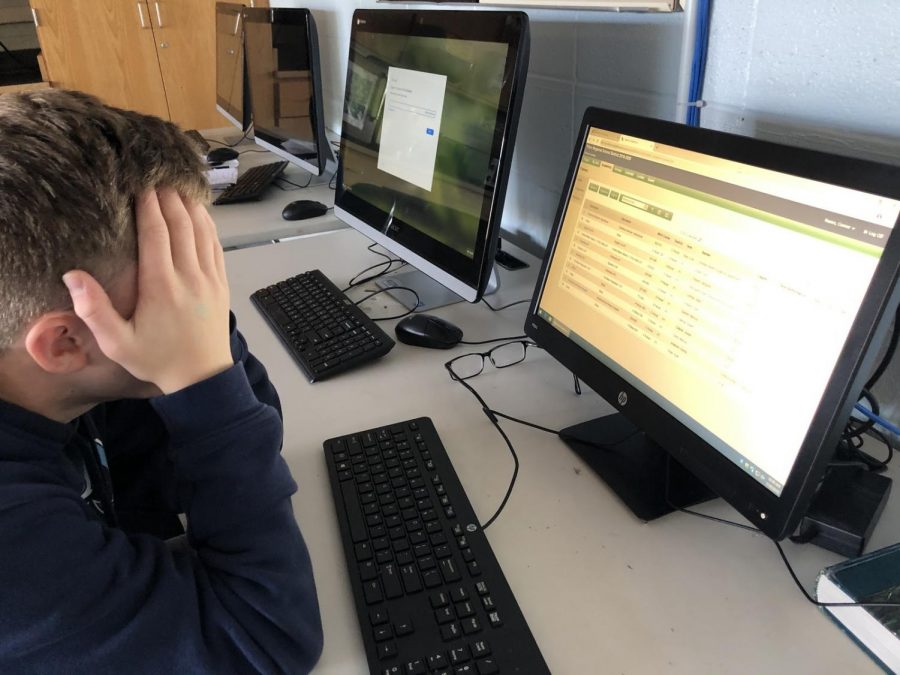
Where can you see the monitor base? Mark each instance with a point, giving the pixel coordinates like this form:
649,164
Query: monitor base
431,293
643,475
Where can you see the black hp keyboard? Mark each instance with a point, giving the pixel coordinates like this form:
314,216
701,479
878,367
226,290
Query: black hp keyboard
430,595
321,328
251,184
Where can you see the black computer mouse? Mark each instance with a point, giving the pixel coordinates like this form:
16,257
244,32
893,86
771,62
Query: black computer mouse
220,155
426,330
303,209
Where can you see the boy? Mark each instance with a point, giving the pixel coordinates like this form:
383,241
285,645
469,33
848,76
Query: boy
125,399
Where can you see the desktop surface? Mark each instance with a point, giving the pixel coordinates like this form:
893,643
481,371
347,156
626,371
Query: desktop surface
597,586
252,223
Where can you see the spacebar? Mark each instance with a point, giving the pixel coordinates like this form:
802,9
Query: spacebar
354,512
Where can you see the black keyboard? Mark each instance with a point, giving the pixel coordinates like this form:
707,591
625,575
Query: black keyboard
430,595
251,184
321,328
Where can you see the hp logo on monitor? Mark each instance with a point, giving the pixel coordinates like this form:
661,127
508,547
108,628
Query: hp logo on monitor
622,398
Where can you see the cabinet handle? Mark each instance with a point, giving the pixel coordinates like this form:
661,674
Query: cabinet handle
237,23
34,16
159,21
140,7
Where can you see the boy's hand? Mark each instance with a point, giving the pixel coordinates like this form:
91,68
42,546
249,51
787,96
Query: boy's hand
178,334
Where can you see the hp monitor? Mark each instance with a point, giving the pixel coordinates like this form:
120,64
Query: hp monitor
430,113
231,96
285,85
727,296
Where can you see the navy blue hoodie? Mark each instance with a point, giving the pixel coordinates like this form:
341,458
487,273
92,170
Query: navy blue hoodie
90,580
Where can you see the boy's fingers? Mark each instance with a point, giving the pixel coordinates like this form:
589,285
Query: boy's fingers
154,252
93,306
204,238
181,229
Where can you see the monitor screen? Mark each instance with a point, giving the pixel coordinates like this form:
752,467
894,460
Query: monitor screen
230,94
430,112
723,293
285,85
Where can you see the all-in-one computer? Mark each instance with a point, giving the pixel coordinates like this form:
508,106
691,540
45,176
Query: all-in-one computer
727,296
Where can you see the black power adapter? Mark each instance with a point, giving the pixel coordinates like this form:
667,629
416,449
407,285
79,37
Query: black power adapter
845,509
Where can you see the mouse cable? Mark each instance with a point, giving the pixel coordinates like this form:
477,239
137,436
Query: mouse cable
384,290
500,309
290,182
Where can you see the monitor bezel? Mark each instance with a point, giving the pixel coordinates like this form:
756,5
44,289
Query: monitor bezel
246,116
467,277
267,138
776,516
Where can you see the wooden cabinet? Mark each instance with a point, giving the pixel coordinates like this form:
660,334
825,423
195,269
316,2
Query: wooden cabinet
154,56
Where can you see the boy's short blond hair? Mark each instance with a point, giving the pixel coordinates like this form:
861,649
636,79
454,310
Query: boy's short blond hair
70,169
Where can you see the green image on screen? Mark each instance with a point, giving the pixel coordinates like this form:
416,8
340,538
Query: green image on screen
451,211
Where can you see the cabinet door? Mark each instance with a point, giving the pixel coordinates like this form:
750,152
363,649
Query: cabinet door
185,33
105,48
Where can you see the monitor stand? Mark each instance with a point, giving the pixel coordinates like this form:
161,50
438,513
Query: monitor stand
431,293
639,471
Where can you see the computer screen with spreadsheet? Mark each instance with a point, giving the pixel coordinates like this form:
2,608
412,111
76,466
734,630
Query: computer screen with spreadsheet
722,293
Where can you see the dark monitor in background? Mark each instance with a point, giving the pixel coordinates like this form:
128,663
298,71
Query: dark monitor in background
430,113
728,296
231,95
285,85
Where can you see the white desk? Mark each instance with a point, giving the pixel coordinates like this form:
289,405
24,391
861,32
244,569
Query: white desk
602,592
251,223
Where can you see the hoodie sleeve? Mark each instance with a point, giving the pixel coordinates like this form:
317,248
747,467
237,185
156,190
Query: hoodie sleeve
236,595
141,459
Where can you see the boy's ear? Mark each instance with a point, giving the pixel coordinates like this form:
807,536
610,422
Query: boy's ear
59,342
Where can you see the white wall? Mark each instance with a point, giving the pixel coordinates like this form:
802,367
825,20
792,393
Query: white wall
816,73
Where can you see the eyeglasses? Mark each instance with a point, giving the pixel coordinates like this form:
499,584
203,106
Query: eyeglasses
508,354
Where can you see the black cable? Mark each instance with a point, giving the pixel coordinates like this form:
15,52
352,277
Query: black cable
333,182
527,424
500,309
290,182
486,342
512,451
354,281
817,603
236,143
856,428
787,563
852,439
